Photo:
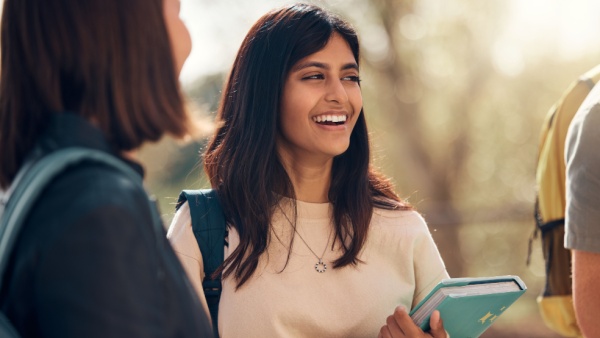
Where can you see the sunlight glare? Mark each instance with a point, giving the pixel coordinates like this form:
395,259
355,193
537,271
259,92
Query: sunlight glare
568,28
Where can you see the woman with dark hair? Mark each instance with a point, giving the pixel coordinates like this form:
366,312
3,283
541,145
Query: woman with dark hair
100,75
319,244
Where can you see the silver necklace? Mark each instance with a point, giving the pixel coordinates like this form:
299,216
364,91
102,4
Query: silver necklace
320,267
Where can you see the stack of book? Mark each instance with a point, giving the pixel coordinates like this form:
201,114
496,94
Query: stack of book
468,306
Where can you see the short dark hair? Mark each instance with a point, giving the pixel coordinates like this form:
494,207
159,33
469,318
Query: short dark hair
242,161
109,61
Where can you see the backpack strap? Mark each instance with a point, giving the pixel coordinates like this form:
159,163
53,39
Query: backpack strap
32,178
208,225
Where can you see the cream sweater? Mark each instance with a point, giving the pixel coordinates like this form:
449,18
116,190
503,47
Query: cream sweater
401,265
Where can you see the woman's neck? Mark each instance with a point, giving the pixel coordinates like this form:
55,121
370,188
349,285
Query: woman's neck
311,181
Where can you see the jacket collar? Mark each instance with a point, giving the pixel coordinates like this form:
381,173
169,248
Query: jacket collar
70,130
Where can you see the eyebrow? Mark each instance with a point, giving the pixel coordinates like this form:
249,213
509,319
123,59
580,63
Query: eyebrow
301,66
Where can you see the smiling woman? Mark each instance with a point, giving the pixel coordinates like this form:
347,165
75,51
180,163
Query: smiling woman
313,228
320,105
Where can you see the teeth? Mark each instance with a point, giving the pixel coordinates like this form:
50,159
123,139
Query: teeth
330,118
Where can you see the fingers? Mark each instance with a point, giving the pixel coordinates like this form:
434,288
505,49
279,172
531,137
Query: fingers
399,324
406,324
385,332
394,326
437,325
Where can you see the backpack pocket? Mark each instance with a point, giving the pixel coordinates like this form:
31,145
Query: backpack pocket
558,314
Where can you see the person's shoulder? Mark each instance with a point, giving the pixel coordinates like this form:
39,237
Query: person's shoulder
90,188
181,226
573,97
397,232
590,109
88,202
98,181
591,122
406,219
583,129
397,213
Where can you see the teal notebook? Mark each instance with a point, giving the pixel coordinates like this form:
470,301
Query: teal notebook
468,306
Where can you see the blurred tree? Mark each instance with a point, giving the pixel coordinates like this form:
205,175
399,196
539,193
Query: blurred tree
426,77
456,109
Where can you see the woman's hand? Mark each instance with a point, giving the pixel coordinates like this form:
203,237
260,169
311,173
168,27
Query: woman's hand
401,325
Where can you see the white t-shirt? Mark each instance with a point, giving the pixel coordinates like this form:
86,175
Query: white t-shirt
582,156
401,265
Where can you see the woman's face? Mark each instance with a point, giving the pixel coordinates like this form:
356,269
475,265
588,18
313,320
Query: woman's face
321,103
179,36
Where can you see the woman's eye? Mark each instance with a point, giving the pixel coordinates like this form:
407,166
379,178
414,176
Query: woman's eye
353,78
314,77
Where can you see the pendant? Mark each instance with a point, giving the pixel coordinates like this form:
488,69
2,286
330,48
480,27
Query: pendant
320,266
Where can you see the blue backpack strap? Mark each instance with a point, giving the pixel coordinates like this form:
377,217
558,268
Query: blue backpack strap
208,225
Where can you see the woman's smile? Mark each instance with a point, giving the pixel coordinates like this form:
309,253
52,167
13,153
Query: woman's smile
321,103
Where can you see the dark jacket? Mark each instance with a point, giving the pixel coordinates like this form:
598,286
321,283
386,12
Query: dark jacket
88,262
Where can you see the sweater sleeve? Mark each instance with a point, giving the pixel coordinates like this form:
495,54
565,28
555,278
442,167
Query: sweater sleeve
428,264
184,244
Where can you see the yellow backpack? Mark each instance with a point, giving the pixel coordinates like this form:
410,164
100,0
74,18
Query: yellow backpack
556,302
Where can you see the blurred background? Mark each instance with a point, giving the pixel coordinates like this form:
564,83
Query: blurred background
455,93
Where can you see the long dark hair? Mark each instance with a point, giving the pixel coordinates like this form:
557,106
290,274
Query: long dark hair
242,161
109,61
